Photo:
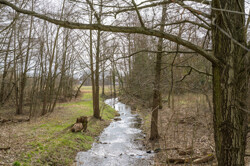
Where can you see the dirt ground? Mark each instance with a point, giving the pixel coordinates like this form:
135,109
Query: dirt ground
185,128
17,131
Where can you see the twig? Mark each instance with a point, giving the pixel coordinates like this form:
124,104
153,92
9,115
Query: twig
185,21
7,148
198,71
186,75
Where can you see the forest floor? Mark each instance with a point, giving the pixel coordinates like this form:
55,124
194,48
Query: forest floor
48,140
186,131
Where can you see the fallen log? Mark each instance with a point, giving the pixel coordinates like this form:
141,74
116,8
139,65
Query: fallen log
194,160
20,119
181,160
2,120
204,159
171,148
15,119
188,151
176,160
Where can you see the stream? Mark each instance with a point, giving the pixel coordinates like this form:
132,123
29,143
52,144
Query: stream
119,143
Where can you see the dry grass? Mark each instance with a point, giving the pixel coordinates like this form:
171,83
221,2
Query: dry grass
189,124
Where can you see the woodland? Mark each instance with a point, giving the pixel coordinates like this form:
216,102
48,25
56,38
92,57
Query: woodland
183,65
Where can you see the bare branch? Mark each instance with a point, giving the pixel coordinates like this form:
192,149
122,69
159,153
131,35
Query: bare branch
186,75
143,7
12,22
138,13
158,4
121,29
198,71
92,8
186,21
192,10
168,52
247,24
230,11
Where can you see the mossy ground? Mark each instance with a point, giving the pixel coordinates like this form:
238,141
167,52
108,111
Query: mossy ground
49,141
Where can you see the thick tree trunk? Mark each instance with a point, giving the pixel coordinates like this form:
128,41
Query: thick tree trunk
157,95
97,109
230,83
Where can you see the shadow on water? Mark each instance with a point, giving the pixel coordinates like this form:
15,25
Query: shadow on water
117,144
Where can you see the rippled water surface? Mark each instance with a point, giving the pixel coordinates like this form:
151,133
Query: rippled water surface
118,144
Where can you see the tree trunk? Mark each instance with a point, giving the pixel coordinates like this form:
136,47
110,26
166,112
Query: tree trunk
230,83
79,88
110,82
113,76
157,95
63,69
103,76
47,91
97,110
5,71
92,69
24,74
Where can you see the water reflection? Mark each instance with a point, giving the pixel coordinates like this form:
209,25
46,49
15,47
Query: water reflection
117,145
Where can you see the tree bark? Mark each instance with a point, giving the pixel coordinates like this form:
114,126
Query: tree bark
92,69
156,94
97,109
230,83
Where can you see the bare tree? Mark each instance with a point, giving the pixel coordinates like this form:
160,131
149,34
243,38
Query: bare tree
229,60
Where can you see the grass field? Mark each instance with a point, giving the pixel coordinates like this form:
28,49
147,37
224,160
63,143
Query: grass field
48,140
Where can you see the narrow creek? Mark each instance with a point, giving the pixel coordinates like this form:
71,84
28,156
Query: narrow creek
118,144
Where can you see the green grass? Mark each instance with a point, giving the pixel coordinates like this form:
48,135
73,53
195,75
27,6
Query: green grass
52,141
